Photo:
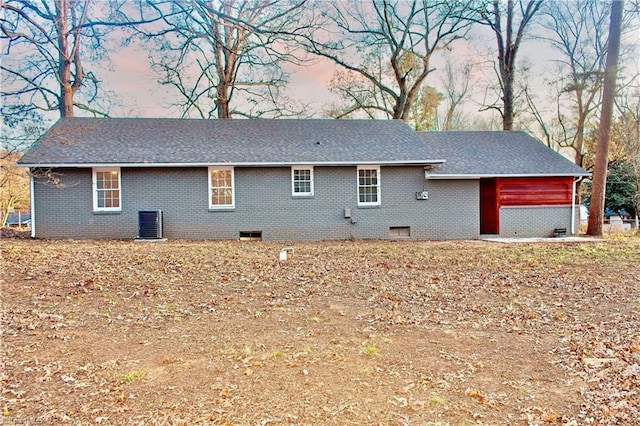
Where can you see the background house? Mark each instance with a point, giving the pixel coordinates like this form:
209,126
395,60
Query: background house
293,180
18,219
617,221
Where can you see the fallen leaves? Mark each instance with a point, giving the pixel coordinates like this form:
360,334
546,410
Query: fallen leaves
342,332
482,399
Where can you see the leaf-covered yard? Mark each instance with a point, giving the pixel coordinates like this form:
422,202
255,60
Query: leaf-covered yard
118,332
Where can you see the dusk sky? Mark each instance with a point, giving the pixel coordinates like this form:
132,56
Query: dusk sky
133,89
136,86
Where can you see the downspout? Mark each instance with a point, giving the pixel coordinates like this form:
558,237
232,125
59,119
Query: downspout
32,203
573,205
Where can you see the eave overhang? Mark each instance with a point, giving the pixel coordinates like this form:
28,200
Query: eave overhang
444,176
425,163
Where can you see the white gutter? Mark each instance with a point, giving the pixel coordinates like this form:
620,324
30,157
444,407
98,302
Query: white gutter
442,176
573,203
32,205
241,164
573,206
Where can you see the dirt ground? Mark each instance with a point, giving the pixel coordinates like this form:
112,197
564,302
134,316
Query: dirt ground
365,332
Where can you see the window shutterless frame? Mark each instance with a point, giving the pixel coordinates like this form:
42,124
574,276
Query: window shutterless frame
302,181
107,193
221,188
368,186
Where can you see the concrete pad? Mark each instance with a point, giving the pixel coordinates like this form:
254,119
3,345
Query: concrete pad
508,240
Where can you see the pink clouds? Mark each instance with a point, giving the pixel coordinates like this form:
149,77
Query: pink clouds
131,78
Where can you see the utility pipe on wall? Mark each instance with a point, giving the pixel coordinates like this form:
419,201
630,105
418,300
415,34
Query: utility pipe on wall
573,205
32,202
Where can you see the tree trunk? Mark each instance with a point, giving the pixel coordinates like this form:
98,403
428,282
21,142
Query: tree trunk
222,101
507,111
508,45
402,110
66,95
579,143
65,101
578,159
596,211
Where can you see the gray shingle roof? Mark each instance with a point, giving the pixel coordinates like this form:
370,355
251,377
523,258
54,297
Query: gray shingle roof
80,141
153,141
497,153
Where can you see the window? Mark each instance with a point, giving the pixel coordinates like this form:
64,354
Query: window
221,189
106,190
368,185
302,180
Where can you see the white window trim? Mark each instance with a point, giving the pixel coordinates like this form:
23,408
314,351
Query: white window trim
233,189
293,188
94,174
368,167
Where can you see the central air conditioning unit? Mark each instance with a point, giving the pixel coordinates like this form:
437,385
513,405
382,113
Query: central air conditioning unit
149,224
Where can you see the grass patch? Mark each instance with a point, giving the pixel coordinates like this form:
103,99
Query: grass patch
369,348
436,399
131,376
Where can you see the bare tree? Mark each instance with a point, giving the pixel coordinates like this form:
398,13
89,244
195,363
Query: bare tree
19,130
225,58
386,47
46,47
596,210
456,83
360,97
509,36
356,92
578,32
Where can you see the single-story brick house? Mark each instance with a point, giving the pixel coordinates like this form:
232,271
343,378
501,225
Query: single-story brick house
293,180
